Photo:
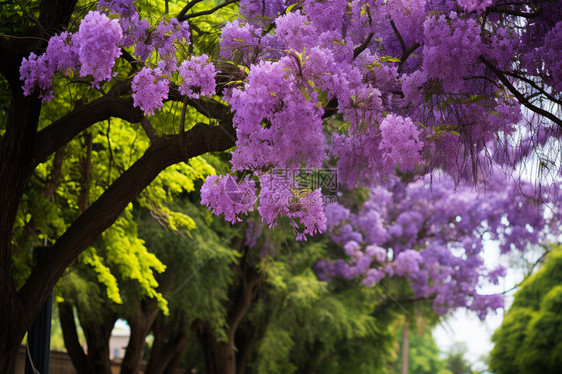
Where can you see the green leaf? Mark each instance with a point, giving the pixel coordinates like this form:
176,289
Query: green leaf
305,93
290,7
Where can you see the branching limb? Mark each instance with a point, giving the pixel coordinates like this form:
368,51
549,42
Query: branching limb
518,95
186,8
405,56
66,128
535,86
208,108
400,38
149,129
406,52
163,152
357,51
206,12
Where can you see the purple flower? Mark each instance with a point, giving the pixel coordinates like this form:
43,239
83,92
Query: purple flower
150,89
97,41
198,77
225,195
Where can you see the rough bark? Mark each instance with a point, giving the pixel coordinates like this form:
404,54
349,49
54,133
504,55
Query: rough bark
16,165
168,347
140,322
71,341
97,339
15,170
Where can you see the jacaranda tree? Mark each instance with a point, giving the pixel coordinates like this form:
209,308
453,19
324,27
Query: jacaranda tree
370,87
432,234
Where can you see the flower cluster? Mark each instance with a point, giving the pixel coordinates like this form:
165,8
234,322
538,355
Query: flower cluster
93,48
150,89
431,234
225,195
280,196
198,77
400,143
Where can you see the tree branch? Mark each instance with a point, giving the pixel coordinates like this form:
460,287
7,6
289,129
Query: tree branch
205,12
163,152
514,12
357,51
535,86
400,39
405,56
520,97
208,108
66,128
149,130
186,8
406,52
182,118
71,341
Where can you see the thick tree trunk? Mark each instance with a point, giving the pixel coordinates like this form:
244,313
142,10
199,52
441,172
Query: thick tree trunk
168,347
22,148
135,348
140,323
97,339
97,335
174,364
246,337
16,165
71,342
220,357
11,335
15,169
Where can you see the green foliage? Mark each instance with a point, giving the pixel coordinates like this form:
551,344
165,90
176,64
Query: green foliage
530,337
198,266
311,324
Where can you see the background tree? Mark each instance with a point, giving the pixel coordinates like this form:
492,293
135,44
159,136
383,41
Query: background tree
423,354
528,339
456,360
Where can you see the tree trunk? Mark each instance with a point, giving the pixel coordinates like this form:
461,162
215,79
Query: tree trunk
11,336
15,169
169,343
246,337
140,323
22,148
97,334
135,348
405,347
71,342
220,357
173,364
97,338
